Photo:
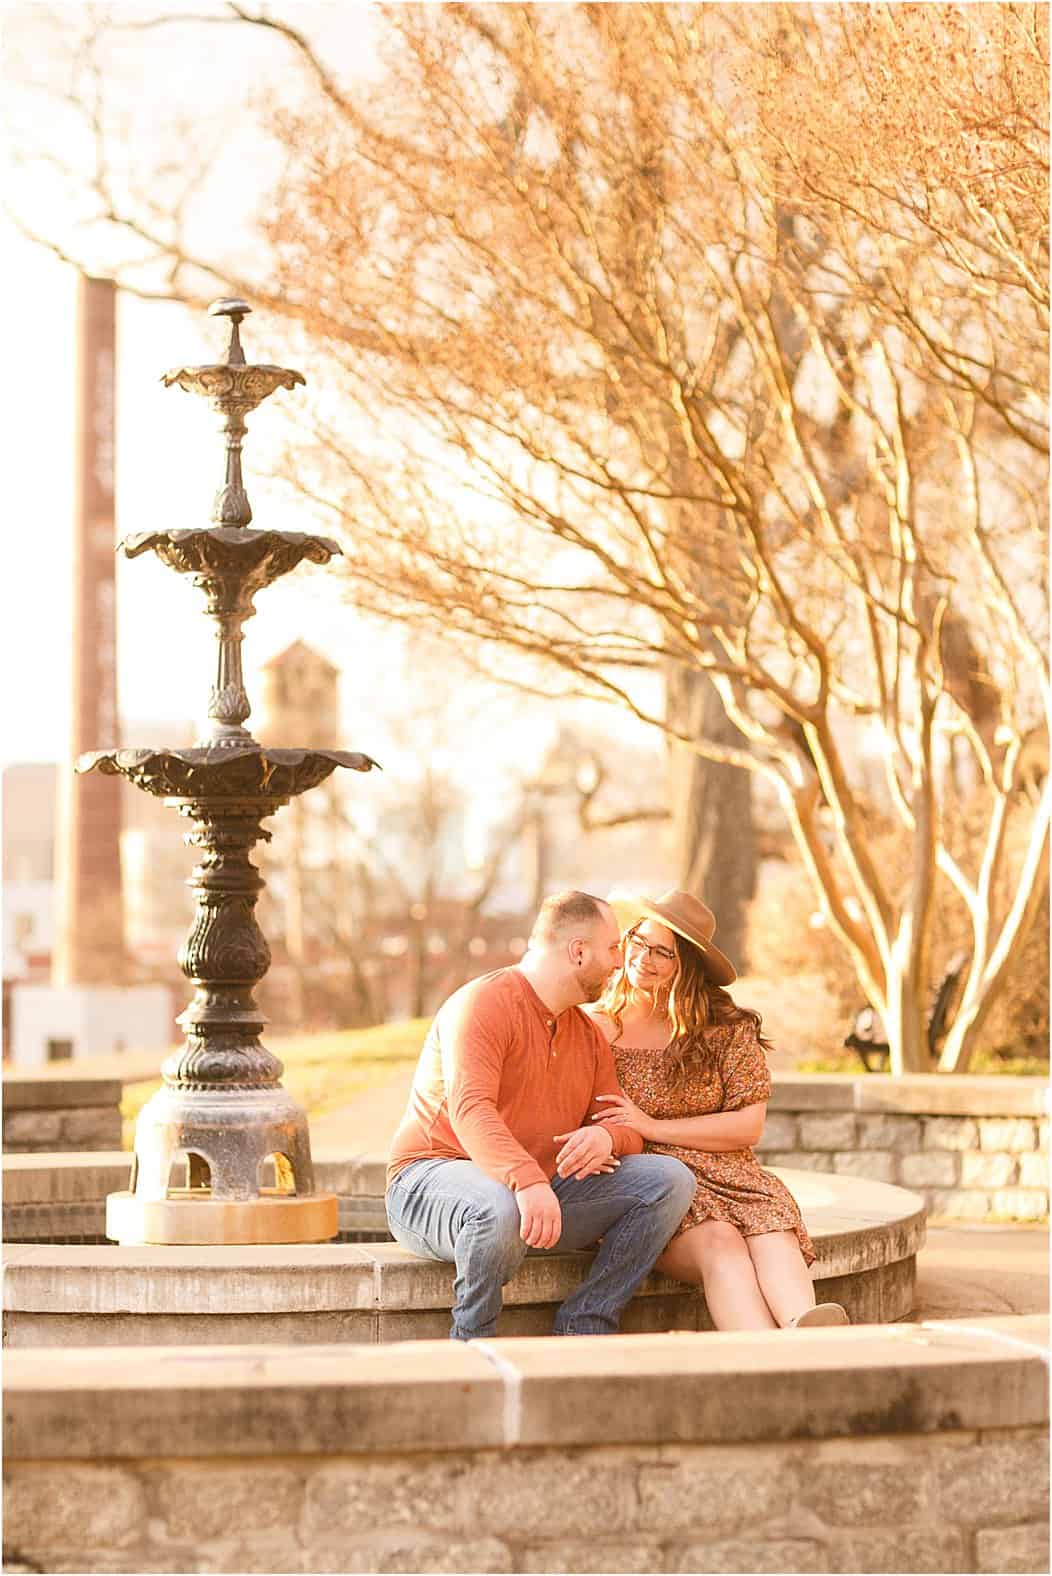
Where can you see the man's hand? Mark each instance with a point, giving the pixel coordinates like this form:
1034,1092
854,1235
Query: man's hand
542,1219
585,1152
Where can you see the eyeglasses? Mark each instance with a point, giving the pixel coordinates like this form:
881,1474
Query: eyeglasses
637,944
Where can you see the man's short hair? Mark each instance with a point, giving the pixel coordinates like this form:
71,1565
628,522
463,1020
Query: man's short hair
562,912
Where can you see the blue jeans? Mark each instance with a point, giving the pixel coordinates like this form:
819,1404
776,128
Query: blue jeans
451,1210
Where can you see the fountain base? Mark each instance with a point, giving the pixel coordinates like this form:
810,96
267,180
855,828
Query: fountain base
205,1222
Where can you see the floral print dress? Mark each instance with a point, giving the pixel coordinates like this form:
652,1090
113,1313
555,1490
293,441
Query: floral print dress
732,1186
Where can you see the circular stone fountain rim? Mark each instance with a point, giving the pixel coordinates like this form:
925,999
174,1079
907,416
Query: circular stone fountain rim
299,1278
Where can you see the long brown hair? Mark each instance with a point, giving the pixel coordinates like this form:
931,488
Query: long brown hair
695,1004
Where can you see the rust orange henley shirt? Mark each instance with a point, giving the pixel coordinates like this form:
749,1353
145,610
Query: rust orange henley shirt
499,1076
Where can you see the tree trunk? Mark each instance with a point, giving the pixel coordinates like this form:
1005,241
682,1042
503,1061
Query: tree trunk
715,838
905,1023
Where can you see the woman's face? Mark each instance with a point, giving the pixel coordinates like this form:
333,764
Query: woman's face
651,961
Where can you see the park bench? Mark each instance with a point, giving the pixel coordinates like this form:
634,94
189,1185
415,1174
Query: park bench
867,1030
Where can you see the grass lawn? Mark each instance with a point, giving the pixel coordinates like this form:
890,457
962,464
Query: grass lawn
322,1071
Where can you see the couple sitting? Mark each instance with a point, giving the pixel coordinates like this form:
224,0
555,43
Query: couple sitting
528,1119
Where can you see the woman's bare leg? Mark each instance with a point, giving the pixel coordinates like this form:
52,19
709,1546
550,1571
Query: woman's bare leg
714,1256
783,1277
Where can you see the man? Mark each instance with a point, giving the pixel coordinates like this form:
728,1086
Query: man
497,1151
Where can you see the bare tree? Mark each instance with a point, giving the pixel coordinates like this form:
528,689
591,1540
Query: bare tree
710,341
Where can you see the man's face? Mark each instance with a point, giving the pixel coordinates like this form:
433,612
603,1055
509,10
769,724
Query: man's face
599,954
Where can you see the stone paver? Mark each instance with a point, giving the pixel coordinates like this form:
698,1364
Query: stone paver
967,1271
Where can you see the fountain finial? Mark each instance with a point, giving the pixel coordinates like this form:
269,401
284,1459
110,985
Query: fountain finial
236,310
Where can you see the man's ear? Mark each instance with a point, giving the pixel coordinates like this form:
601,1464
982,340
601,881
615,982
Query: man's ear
576,951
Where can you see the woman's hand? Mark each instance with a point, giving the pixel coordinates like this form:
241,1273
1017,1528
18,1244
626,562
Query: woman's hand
623,1112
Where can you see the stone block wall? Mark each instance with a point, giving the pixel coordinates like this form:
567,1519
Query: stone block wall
56,1114
960,1502
631,1454
975,1148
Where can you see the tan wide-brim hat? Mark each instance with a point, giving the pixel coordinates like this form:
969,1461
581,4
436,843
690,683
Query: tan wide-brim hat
696,923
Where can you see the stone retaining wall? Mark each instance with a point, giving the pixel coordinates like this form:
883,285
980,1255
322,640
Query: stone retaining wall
64,1113
823,1451
975,1147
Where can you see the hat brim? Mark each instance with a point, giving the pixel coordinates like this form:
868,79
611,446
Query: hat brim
716,964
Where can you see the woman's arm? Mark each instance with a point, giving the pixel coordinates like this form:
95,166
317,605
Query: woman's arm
723,1132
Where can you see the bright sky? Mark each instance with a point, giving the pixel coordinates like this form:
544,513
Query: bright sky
169,453
168,448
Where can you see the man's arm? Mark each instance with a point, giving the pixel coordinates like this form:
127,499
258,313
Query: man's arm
473,1048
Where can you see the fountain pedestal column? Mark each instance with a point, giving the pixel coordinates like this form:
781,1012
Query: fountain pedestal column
222,1117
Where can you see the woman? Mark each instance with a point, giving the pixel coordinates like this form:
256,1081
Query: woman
695,1085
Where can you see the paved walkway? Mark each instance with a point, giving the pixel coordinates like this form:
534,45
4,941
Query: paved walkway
963,1272
367,1125
977,1270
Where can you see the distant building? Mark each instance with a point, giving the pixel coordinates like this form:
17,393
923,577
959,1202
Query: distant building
300,702
157,907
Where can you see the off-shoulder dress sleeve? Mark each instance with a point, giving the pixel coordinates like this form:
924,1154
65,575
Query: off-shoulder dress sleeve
746,1077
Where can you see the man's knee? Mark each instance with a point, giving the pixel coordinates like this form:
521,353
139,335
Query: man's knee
660,1181
676,1181
495,1220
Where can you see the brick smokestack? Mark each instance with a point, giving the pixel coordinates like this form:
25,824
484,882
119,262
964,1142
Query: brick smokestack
89,934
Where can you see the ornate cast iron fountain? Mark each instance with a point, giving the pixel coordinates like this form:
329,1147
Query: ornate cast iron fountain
222,1152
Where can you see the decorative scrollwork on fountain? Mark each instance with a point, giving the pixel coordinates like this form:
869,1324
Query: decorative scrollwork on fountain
252,559
229,704
228,1063
232,388
225,945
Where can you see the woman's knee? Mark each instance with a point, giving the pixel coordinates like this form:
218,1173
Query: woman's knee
717,1240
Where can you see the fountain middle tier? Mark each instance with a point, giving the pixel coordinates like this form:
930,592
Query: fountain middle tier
250,558
224,772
